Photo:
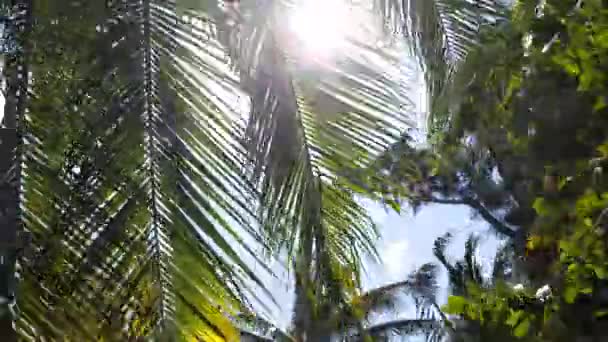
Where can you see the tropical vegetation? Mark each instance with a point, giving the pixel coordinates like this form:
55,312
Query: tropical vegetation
153,152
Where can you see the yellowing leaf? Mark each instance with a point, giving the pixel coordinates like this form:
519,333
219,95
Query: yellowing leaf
600,272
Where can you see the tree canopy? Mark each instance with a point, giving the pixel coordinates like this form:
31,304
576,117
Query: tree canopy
156,149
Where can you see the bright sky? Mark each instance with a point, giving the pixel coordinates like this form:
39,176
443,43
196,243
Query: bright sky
406,244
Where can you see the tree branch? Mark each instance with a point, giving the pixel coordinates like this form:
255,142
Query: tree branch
445,201
411,325
431,199
475,204
491,219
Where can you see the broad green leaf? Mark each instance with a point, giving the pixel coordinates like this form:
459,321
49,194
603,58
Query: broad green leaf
515,317
522,328
601,313
570,293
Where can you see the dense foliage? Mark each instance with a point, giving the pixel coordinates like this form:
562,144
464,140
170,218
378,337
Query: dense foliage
136,189
520,138
535,104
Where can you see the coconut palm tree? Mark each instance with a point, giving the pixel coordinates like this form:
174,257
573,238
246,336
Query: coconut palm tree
465,273
142,187
441,33
421,285
113,229
356,320
102,263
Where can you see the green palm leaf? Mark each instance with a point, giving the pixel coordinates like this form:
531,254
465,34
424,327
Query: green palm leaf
306,123
132,189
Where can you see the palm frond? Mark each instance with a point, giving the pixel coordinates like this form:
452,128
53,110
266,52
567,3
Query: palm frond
441,33
458,274
464,271
260,327
84,203
503,263
421,285
301,132
405,328
208,199
132,187
423,282
382,299
439,249
472,266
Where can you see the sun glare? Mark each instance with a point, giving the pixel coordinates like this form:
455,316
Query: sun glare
321,26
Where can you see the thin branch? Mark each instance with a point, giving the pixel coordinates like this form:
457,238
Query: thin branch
386,288
444,200
491,219
421,324
444,318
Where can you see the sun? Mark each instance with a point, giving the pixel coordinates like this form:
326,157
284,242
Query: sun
321,26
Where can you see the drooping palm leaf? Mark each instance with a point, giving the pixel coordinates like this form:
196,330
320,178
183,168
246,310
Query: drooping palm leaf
456,271
469,270
84,204
307,120
132,187
287,102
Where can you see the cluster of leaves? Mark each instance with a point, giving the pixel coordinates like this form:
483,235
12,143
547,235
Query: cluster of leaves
544,107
